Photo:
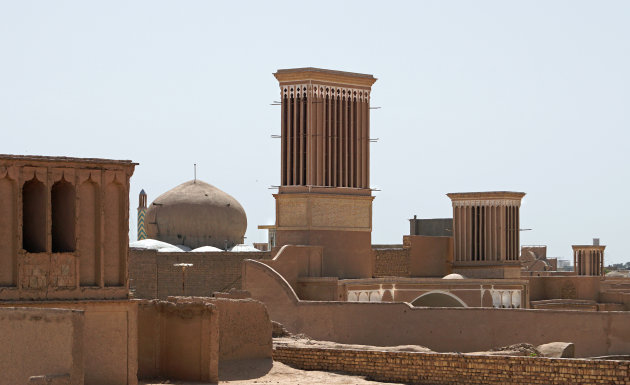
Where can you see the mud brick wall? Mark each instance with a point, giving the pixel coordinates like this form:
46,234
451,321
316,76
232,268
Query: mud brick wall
40,342
449,368
391,262
152,274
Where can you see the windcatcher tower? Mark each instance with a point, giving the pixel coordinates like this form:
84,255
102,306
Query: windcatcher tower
142,212
486,234
589,259
325,197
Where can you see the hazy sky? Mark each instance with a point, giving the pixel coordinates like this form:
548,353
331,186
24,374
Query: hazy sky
529,96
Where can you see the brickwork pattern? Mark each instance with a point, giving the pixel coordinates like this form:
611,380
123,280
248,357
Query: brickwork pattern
152,274
450,368
391,262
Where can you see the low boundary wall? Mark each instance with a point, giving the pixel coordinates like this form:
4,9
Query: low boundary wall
449,368
110,355
439,329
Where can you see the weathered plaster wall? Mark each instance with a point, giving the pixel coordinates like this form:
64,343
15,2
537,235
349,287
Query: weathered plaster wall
178,341
109,338
567,287
429,256
441,368
347,254
39,341
441,329
152,274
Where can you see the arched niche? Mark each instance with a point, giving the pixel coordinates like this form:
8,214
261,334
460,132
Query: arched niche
113,243
8,228
89,227
34,216
438,299
63,199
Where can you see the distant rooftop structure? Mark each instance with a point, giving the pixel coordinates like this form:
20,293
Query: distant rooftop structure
434,227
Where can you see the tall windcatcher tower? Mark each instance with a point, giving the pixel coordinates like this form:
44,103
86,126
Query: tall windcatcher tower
142,212
325,197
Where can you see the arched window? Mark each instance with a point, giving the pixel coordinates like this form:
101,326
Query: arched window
34,216
63,199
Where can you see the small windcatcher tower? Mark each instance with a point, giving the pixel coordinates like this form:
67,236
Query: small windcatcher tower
486,238
589,259
325,197
142,212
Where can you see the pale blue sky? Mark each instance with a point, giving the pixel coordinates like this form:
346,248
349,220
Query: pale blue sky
528,96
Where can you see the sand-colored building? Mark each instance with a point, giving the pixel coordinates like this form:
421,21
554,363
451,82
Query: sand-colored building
63,244
66,314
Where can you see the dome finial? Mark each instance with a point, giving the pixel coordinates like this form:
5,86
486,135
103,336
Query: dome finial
195,167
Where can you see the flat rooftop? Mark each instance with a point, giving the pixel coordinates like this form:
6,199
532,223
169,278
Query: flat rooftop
486,195
324,75
62,159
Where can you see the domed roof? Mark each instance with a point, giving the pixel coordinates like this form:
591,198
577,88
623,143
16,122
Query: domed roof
196,214
453,276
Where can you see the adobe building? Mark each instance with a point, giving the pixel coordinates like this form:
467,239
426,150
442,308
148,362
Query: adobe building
325,197
63,244
65,310
436,227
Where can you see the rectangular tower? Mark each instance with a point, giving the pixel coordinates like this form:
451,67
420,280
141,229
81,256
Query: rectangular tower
325,197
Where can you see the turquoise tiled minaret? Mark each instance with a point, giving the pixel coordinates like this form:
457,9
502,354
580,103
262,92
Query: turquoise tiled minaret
142,212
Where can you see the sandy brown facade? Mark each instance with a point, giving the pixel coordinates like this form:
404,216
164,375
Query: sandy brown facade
63,228
188,338
40,342
109,337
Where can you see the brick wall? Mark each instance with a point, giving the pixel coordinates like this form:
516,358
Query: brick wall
391,262
152,274
450,368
